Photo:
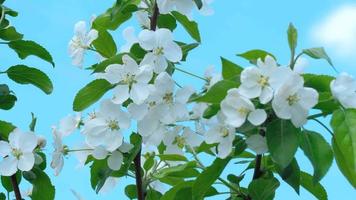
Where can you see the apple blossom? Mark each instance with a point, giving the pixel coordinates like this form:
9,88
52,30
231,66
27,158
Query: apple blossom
343,89
80,42
176,141
129,36
257,143
211,76
293,100
18,152
206,9
236,108
183,6
69,124
162,47
60,150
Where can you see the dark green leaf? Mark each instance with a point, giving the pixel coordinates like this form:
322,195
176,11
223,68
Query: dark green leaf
186,48
282,141
90,94
2,196
172,157
5,129
10,34
137,51
207,178
167,171
343,123
254,55
306,181
105,44
263,189
6,181
230,70
199,3
28,75
131,191
190,26
291,175
7,101
99,172
42,186
211,111
166,21
25,48
100,67
318,151
216,93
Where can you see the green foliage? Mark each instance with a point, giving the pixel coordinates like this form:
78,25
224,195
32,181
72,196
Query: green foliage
100,67
131,191
190,26
343,123
6,181
167,21
318,151
318,53
186,48
253,55
292,34
39,183
5,129
10,34
7,100
282,141
28,75
230,70
263,189
25,48
105,44
216,93
316,189
291,175
90,94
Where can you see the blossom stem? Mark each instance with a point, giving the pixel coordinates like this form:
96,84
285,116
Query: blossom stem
191,74
316,116
154,17
323,125
16,187
137,162
76,150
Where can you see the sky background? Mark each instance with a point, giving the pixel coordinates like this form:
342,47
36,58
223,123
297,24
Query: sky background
236,26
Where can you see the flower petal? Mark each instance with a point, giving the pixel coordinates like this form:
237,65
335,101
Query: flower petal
8,166
257,117
115,160
26,162
121,94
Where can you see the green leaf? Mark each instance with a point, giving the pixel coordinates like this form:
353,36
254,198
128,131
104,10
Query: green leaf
137,51
207,178
216,93
6,181
343,123
263,189
318,151
184,190
5,129
306,181
253,55
166,21
211,111
321,83
2,196
172,157
318,53
10,34
105,44
282,141
90,94
153,195
166,171
131,191
292,37
190,26
100,67
99,172
230,70
186,48
7,101
199,3
291,175
42,186
25,48
28,75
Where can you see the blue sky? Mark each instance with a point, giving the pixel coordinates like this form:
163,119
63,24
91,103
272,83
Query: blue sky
235,27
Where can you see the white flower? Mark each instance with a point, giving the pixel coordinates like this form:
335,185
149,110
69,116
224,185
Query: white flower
132,80
176,142
60,150
263,80
223,135
109,185
206,9
343,89
257,143
211,76
293,101
105,129
80,42
236,108
300,65
183,6
18,152
69,124
26,193
143,19
129,35
115,157
163,48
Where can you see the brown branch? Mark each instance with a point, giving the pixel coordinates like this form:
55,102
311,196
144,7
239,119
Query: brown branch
154,17
257,171
137,162
15,186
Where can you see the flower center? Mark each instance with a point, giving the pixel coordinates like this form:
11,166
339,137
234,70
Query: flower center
129,79
168,98
16,153
224,132
158,51
263,81
78,44
179,141
113,125
243,111
292,99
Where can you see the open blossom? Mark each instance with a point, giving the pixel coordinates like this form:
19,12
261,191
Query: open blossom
257,143
80,42
211,76
263,80
179,138
293,101
162,47
69,124
60,150
18,152
222,134
183,6
132,80
237,108
206,9
129,35
343,89
105,128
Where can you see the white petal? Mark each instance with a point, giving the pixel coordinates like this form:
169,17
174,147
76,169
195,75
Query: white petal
147,39
121,94
8,166
224,149
139,93
173,52
299,115
100,153
257,117
144,74
109,185
250,92
138,111
115,160
266,95
5,148
308,98
164,37
80,28
28,142
193,139
26,162
92,35
257,143
160,64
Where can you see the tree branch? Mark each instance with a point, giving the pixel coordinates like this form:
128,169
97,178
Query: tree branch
154,17
137,162
257,171
15,186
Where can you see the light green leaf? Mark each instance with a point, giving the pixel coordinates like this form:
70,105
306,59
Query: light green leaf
190,26
230,70
28,75
105,44
306,181
343,123
282,141
263,189
318,151
172,157
25,48
318,53
90,94
207,178
10,34
166,171
100,67
131,191
292,37
254,55
216,93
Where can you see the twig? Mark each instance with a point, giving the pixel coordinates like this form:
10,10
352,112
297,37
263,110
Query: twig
15,186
